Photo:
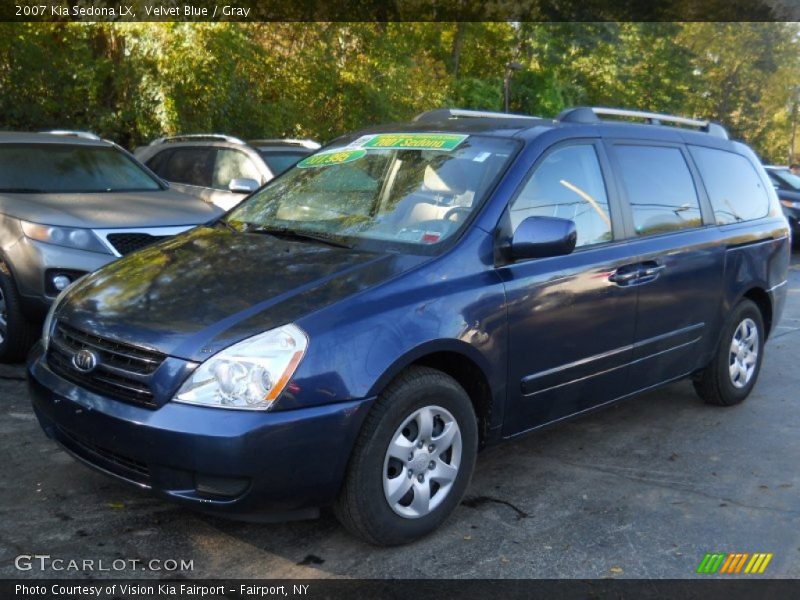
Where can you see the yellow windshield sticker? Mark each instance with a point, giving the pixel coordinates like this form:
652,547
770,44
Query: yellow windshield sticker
414,141
326,159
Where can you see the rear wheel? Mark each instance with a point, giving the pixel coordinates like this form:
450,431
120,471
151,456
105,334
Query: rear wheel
413,460
731,375
17,333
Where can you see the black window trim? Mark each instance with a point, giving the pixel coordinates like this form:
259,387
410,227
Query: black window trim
612,194
707,216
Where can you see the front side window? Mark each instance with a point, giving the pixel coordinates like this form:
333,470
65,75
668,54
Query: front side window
734,188
660,189
232,164
567,184
412,189
67,168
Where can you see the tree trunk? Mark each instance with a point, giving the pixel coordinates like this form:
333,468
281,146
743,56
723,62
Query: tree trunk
455,54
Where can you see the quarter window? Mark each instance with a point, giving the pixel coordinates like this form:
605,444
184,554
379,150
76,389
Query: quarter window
660,189
734,188
567,184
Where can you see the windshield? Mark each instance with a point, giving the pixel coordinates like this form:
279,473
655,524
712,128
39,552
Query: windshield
68,168
792,181
411,189
279,161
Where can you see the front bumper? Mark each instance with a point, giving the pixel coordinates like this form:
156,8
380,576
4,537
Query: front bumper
273,462
30,260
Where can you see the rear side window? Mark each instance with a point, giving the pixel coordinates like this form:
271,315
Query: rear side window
660,189
192,166
567,184
733,185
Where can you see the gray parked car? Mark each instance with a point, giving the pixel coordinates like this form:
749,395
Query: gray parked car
219,168
68,205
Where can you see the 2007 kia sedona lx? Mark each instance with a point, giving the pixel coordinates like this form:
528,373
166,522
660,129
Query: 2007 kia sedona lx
355,331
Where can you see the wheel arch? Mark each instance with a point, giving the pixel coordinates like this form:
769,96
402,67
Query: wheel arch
462,362
761,299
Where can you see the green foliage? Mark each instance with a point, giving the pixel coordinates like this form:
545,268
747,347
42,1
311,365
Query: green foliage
135,81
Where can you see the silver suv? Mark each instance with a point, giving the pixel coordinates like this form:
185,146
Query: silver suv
221,169
68,205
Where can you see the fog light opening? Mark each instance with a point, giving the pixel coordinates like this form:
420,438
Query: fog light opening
210,486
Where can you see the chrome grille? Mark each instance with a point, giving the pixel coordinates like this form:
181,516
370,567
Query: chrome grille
123,371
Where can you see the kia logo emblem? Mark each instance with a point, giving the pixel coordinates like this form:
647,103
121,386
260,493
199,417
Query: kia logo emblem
84,360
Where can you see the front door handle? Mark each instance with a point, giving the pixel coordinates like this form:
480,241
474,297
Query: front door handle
651,269
625,275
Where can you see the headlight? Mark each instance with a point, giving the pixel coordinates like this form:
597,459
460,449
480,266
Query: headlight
249,375
70,237
790,204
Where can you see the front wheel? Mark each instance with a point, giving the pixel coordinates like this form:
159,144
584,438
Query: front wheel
17,333
731,375
413,459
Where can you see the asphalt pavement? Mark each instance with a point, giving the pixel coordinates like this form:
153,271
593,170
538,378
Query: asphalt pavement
642,489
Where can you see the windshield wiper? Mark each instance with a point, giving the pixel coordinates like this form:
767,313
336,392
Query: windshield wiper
293,234
224,223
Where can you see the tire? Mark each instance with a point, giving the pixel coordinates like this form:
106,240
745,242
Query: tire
17,333
731,375
417,396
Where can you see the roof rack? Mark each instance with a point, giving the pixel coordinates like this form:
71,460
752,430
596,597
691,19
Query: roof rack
86,135
591,114
198,137
310,144
441,114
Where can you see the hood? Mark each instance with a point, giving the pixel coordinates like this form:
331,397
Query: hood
163,208
202,291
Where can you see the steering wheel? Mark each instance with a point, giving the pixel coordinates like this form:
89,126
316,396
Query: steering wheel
456,210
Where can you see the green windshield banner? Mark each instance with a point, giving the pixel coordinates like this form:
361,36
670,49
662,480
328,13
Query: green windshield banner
383,141
415,141
326,159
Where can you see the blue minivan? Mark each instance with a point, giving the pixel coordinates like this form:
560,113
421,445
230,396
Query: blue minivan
354,332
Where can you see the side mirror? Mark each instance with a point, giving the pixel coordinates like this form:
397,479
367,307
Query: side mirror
243,186
540,237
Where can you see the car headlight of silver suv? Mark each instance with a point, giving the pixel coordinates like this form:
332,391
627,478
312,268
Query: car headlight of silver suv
249,375
69,237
